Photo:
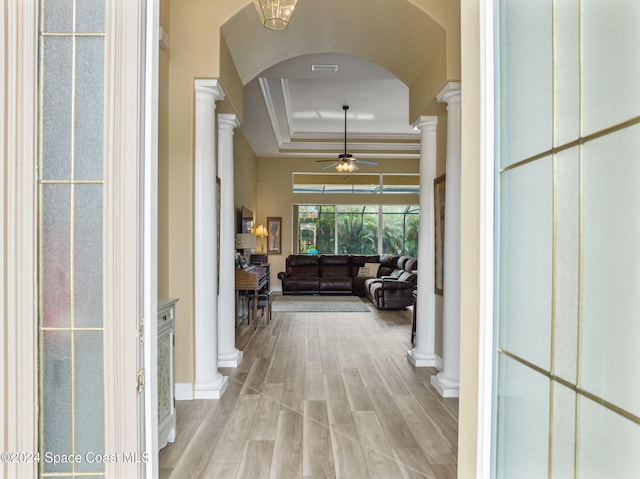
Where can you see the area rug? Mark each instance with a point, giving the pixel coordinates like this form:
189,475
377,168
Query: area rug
319,304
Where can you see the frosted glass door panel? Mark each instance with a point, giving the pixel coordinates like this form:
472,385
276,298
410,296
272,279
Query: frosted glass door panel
70,256
567,272
525,260
610,62
56,108
563,432
57,15
89,95
526,67
89,16
567,71
55,238
610,356
608,444
523,422
56,406
87,257
89,398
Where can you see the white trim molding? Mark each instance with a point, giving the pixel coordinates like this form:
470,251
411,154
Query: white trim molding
487,225
18,234
183,391
122,147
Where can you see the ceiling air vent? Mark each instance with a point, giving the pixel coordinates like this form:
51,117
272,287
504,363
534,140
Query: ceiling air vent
324,68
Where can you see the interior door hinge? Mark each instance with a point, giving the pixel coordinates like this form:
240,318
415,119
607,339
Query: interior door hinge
140,381
141,330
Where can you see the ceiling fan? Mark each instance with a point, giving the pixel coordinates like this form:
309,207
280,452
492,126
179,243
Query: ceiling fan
346,162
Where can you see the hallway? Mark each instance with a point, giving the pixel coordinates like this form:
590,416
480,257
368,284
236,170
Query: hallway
316,396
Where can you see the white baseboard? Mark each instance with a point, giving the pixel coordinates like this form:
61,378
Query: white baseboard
184,391
439,363
276,289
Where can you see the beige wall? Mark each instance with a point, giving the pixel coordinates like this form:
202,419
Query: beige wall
163,158
245,185
470,231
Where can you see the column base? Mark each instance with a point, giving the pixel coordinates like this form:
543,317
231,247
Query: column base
447,388
231,360
421,360
211,390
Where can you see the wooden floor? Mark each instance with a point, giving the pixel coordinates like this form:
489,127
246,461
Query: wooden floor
319,395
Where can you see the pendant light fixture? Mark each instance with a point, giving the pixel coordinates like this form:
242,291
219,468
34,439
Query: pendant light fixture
275,14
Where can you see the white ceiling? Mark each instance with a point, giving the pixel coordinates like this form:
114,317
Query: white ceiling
292,111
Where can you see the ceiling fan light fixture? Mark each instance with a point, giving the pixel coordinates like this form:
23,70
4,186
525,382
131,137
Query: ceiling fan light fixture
275,14
345,160
345,167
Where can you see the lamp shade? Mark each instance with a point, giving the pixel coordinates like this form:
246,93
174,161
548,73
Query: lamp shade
275,14
261,231
245,241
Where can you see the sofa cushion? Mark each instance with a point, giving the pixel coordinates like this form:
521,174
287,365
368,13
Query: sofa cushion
301,284
334,265
358,287
406,276
388,263
336,284
303,265
411,264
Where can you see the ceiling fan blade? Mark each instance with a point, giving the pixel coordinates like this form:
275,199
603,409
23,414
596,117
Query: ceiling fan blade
323,161
365,162
329,166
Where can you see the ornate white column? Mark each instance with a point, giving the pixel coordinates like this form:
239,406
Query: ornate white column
228,355
210,384
423,355
447,382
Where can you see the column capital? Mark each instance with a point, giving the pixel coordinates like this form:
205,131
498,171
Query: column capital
426,123
228,121
450,93
208,90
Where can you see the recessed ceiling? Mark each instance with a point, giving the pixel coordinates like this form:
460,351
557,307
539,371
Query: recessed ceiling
290,110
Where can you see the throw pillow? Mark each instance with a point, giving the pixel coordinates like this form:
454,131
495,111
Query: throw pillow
372,269
363,272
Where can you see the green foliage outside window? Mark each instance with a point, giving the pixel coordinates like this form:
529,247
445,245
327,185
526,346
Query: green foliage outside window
357,228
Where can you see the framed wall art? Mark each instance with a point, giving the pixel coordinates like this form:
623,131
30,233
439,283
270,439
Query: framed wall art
274,226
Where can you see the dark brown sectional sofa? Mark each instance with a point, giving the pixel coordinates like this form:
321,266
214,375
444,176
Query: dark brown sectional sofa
390,287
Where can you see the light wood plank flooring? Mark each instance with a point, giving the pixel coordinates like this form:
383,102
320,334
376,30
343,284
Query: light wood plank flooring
319,395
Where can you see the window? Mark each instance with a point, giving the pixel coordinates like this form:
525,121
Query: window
357,183
358,229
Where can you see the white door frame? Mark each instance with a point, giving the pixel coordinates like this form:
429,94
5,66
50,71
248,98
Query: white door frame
149,244
486,249
18,234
